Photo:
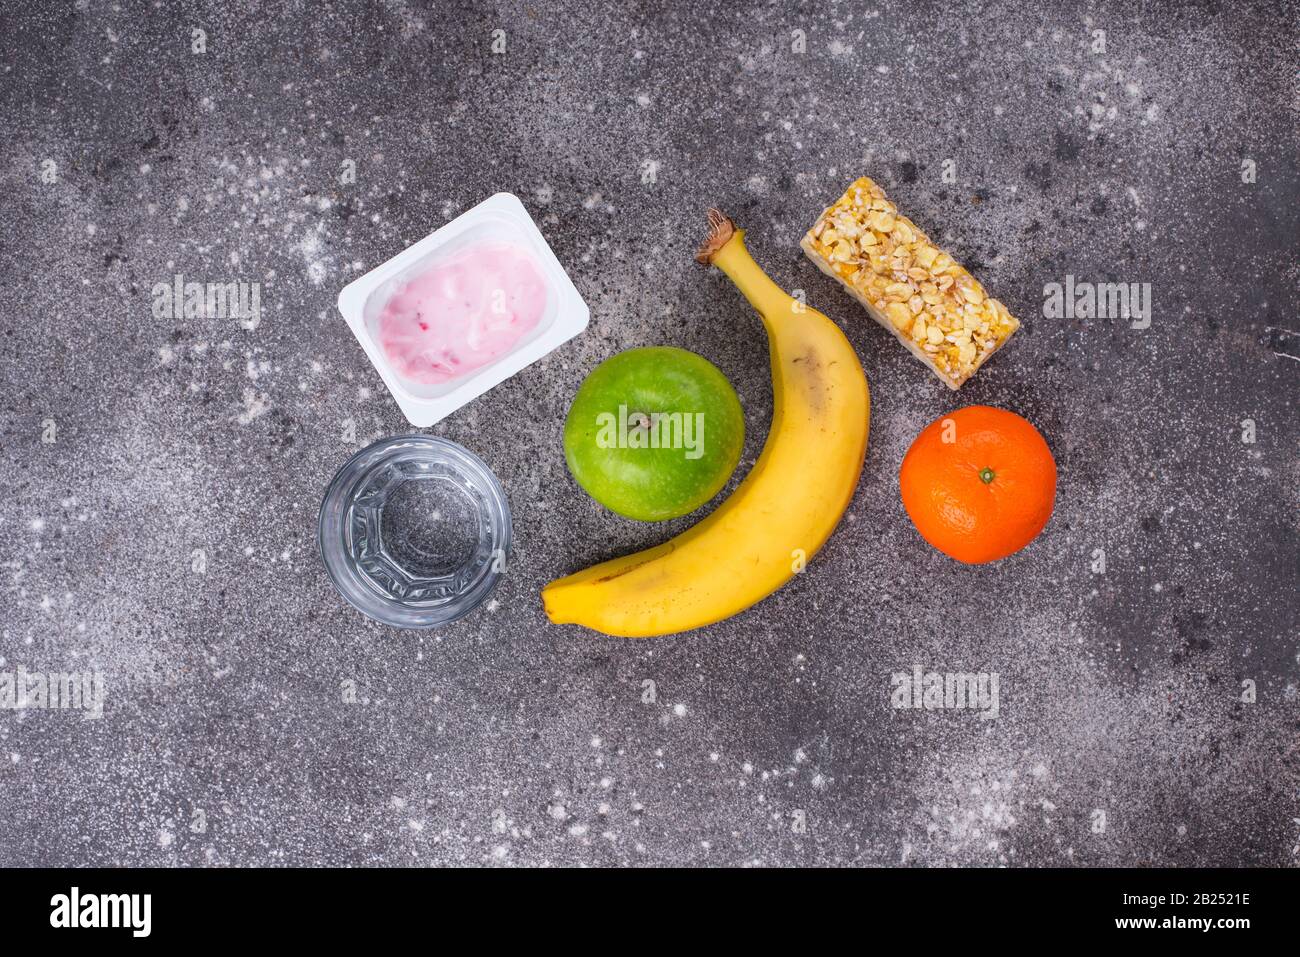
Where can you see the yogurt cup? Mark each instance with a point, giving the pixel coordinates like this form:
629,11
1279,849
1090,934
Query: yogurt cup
499,219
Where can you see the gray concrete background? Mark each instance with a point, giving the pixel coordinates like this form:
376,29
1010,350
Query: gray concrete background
503,738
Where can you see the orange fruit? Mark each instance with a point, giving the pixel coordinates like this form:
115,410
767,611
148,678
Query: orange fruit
978,484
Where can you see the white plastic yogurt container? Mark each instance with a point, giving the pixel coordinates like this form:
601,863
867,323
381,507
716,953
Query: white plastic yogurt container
426,397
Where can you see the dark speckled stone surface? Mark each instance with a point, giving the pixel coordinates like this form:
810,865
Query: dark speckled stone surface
1110,142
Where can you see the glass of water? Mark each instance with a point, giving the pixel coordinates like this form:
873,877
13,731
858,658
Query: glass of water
414,531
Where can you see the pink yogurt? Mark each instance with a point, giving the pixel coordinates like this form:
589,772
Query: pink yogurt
462,313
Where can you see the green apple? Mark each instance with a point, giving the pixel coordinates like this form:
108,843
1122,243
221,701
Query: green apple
654,433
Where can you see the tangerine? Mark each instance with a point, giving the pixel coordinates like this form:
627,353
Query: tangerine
979,483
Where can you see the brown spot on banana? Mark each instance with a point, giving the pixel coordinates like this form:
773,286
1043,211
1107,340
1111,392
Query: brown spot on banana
811,373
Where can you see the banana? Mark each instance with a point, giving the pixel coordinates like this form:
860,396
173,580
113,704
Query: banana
784,510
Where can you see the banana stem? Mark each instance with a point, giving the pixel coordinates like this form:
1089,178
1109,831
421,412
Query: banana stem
725,248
